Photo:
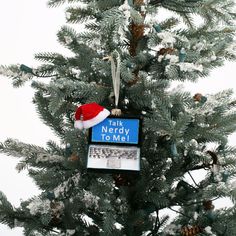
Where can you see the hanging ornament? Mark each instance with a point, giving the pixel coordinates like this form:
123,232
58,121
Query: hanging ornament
108,151
198,97
89,115
157,27
182,55
191,230
115,72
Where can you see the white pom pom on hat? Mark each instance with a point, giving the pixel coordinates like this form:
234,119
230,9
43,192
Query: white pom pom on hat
89,115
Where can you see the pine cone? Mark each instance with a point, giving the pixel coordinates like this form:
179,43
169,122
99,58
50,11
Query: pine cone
207,204
137,30
164,51
138,2
191,231
197,97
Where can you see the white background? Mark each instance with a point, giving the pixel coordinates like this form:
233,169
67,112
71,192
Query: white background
28,27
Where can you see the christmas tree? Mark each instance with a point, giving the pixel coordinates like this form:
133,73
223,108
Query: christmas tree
127,58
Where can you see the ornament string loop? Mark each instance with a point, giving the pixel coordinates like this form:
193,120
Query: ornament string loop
115,72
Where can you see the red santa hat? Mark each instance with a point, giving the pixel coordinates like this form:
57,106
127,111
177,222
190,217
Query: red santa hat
89,115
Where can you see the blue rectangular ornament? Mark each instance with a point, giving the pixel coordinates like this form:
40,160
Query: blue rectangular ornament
117,131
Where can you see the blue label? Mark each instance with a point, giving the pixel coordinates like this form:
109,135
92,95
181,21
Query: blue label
116,130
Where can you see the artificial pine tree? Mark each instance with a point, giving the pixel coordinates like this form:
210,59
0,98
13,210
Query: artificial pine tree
178,127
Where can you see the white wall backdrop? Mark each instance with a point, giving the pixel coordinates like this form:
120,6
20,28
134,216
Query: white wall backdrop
28,27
